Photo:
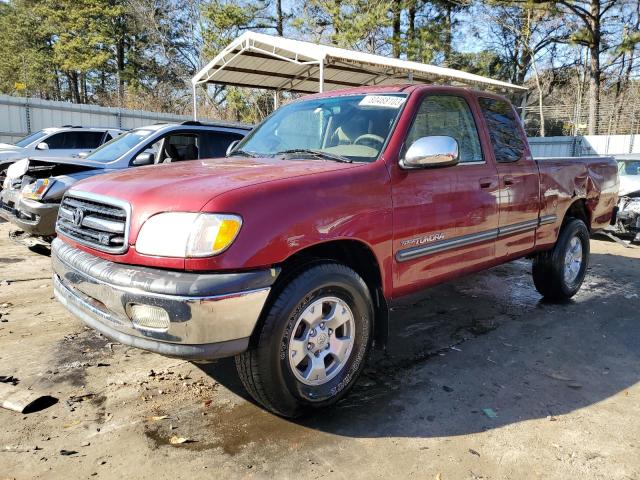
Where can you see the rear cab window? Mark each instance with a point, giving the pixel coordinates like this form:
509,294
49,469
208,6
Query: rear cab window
504,129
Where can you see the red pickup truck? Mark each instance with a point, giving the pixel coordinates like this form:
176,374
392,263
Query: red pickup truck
289,252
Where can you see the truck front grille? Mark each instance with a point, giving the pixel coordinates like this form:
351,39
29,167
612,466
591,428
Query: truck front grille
97,222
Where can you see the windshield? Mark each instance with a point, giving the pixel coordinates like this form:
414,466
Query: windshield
30,138
353,127
118,146
629,167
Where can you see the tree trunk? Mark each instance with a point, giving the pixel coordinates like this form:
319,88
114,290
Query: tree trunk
120,70
74,89
58,88
540,98
523,52
448,35
412,52
279,19
594,67
395,38
83,87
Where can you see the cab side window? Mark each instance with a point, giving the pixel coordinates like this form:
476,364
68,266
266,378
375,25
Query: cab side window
174,148
181,147
75,140
88,140
451,116
57,141
504,130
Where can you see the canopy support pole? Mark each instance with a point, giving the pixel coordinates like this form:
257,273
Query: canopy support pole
195,104
321,63
275,100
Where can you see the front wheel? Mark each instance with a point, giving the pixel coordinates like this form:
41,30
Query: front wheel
558,274
313,342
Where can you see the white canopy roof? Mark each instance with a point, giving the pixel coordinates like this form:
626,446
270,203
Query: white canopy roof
264,61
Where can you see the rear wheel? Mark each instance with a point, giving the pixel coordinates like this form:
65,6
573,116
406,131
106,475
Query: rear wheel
313,342
558,274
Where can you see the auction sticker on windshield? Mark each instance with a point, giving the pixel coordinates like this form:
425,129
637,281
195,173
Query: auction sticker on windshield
389,101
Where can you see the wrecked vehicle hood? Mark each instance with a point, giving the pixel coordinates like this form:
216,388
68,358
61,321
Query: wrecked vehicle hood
189,186
64,170
8,146
8,156
55,166
77,161
629,185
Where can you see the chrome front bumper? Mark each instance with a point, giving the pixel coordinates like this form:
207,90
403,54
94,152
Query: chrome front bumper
211,315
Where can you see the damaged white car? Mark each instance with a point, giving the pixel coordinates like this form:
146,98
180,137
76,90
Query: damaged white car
628,217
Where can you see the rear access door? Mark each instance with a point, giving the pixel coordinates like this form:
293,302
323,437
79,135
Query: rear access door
519,195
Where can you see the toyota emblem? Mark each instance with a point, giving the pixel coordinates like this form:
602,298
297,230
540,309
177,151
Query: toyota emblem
78,216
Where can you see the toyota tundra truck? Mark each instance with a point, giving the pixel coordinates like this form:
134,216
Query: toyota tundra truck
289,252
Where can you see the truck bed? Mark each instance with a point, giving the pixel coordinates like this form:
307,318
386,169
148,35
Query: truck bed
595,179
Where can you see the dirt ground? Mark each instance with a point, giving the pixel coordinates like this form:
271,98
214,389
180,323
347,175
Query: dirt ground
482,381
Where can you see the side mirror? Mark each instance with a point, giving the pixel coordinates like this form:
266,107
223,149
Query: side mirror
231,146
83,154
144,158
42,146
430,152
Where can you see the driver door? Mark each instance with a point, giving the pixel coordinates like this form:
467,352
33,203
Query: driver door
445,219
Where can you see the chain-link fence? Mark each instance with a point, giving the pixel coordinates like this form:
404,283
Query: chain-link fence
617,114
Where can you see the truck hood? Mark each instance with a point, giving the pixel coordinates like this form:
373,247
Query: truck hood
189,186
629,184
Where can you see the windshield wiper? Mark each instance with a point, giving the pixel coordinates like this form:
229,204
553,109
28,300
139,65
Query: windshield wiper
318,153
245,153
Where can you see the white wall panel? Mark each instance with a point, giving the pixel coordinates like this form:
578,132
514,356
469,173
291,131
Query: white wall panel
20,116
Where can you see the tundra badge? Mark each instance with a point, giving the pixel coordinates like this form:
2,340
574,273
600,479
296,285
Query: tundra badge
433,237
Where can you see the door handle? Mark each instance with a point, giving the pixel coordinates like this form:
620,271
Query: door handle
486,183
508,180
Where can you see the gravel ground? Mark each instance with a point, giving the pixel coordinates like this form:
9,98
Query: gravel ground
481,380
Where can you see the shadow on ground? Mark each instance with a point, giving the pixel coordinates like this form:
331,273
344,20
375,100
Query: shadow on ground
473,355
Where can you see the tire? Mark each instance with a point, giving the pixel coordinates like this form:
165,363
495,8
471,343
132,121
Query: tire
552,277
281,371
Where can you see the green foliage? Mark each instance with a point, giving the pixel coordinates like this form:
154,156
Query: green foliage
142,53
25,51
104,51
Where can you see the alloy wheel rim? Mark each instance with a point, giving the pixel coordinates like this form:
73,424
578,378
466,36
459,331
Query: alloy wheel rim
573,260
322,341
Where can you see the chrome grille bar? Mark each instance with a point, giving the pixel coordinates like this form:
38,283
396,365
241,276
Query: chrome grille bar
96,221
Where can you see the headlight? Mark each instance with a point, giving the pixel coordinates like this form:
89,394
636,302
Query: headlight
183,234
37,189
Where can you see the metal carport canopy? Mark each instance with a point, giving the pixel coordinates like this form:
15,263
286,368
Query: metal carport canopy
257,60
